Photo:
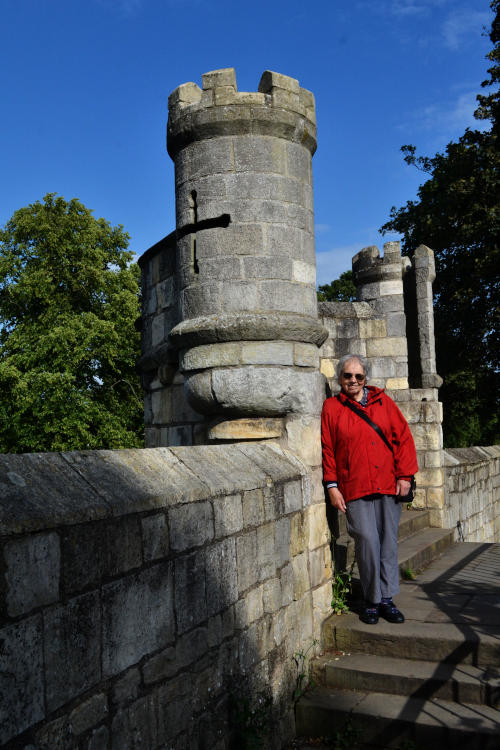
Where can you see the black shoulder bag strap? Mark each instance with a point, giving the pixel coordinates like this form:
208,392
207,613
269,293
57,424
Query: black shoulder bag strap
367,419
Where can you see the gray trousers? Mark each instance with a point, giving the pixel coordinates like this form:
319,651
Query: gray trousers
373,524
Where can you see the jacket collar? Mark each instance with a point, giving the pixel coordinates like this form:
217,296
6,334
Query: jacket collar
374,394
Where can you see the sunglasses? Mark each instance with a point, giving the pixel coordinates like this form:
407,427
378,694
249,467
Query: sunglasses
359,377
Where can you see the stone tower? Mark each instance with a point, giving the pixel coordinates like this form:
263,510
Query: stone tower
230,328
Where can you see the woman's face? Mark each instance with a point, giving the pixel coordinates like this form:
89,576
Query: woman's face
353,379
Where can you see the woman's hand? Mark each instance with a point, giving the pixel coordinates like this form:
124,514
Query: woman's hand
336,498
402,487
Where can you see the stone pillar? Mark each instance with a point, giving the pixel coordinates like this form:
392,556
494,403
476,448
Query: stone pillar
379,281
248,334
425,273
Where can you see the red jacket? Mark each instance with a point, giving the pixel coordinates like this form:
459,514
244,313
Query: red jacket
355,456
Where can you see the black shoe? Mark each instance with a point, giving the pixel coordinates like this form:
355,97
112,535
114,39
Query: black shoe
390,612
369,614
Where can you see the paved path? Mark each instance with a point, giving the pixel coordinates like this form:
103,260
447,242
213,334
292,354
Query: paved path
462,587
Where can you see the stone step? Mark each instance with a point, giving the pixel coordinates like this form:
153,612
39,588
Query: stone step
446,642
464,683
389,720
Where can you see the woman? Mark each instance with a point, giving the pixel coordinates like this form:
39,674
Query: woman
366,472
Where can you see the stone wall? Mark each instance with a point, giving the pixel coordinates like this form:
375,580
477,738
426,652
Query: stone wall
472,493
142,590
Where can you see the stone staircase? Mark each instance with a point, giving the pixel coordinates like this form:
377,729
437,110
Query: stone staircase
433,682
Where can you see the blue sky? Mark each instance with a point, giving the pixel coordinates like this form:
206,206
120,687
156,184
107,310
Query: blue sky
85,84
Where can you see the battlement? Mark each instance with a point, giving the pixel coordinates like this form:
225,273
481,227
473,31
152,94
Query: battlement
280,107
368,266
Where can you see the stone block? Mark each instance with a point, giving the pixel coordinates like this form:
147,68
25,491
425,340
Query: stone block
72,647
382,367
384,306
21,677
305,355
372,329
298,163
209,157
138,617
320,565
321,602
327,368
435,497
298,533
155,537
179,435
317,526
32,572
236,239
293,496
250,608
430,477
388,347
127,687
287,241
161,404
287,579
190,525
271,595
301,582
190,590
161,666
210,355
282,541
265,561
190,647
99,739
55,735
266,391
240,295
135,727
158,329
259,154
222,576
287,296
348,328
303,435
427,436
249,429
304,272
228,515
271,267
396,324
253,508
344,346
396,384
267,352
201,299
88,714
123,545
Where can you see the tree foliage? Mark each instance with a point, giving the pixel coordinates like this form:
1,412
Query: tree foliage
69,298
339,290
457,214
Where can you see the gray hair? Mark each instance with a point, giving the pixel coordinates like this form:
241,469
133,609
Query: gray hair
346,358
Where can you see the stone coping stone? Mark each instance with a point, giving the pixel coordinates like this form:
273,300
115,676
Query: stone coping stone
46,490
262,326
345,310
249,429
472,455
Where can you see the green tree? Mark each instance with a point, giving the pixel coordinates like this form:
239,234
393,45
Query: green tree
339,290
457,214
69,297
